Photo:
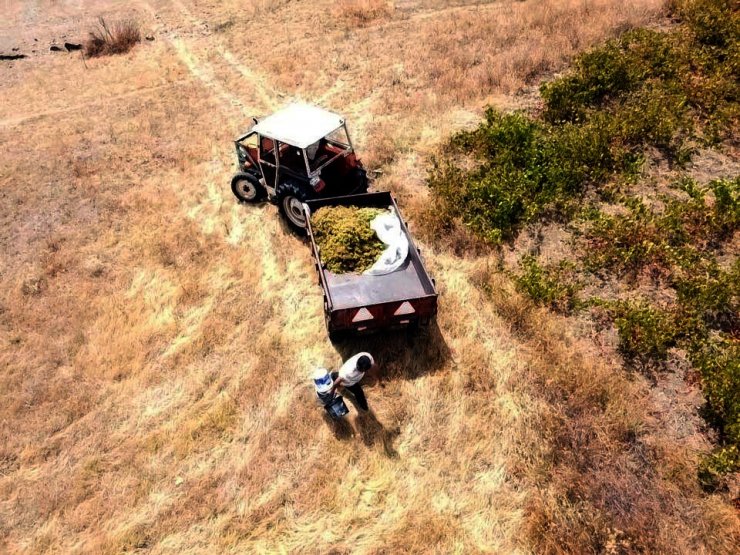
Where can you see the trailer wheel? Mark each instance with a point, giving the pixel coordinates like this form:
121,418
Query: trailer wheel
247,187
291,197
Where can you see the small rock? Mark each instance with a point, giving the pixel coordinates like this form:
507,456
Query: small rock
55,48
179,480
12,56
15,49
149,37
70,46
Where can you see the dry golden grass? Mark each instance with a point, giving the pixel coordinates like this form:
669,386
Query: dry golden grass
362,12
157,337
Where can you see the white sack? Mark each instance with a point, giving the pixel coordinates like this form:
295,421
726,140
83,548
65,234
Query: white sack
388,229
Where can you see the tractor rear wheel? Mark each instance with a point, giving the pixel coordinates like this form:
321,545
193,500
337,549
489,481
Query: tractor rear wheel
247,187
291,196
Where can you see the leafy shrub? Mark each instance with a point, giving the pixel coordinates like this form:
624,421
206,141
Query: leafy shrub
718,361
645,333
716,465
552,287
677,237
713,22
347,242
666,76
528,169
706,222
648,89
627,242
606,72
107,39
709,296
725,218
706,318
658,117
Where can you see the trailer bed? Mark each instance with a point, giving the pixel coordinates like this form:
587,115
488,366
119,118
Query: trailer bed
358,302
350,290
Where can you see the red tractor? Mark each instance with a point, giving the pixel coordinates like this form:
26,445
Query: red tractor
299,153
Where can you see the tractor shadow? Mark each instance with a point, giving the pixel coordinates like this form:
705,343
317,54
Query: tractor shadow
401,354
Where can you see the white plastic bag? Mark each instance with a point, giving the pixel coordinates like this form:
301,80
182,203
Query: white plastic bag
388,229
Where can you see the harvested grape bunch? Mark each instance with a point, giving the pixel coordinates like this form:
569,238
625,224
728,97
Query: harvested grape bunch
346,241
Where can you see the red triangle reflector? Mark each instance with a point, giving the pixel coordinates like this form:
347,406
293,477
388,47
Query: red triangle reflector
405,308
362,315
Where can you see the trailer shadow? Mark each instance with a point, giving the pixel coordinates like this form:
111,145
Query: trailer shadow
399,355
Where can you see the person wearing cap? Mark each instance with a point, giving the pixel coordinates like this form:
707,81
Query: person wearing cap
350,375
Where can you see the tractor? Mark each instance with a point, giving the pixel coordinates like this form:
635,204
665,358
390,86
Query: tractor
299,153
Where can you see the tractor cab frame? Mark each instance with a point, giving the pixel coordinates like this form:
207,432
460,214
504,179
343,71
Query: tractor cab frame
299,153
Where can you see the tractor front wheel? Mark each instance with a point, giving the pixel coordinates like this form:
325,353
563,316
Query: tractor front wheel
247,187
291,197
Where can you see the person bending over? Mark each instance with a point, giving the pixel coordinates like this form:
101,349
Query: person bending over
350,375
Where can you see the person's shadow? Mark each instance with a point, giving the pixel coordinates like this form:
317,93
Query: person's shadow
369,428
340,428
373,432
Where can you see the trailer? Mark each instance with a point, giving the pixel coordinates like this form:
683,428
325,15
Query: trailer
356,303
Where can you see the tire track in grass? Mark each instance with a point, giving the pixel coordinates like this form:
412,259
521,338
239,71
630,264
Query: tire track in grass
100,103
265,94
282,281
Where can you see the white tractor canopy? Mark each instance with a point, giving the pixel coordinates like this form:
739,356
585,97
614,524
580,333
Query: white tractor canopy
299,125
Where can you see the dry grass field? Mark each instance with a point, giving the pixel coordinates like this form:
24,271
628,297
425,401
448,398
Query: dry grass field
157,337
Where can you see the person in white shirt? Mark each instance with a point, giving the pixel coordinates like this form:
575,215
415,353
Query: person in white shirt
350,375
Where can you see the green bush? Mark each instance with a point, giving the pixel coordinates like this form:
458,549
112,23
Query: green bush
709,296
726,211
527,170
667,90
645,333
625,242
718,361
553,287
714,23
678,237
607,72
716,465
658,117
665,75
